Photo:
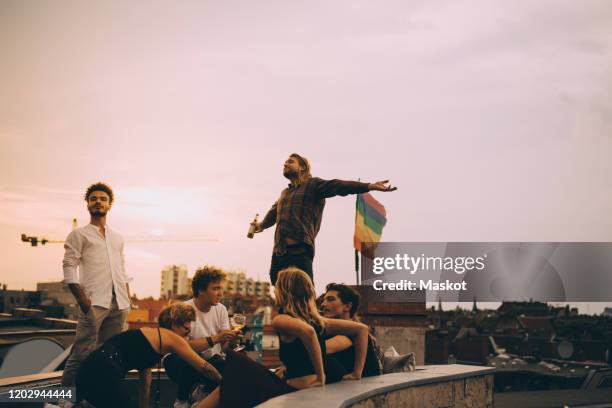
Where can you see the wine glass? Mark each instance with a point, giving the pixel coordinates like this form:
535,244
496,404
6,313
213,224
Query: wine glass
238,321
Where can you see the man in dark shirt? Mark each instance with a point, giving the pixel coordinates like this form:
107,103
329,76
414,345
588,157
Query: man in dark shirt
341,302
298,211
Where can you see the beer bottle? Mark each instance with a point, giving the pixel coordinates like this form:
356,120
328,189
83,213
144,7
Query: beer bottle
251,232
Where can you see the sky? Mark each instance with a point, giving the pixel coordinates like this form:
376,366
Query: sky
493,118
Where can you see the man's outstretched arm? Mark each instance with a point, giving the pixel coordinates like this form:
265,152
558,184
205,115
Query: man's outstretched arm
381,186
331,188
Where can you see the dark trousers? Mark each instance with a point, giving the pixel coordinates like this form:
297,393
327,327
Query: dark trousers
299,255
187,377
247,383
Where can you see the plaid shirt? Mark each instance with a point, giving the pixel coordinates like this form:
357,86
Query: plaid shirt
298,211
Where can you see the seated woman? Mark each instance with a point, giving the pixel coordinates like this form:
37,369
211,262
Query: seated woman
100,377
302,331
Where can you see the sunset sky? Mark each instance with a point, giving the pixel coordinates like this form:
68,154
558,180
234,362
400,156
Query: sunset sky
494,119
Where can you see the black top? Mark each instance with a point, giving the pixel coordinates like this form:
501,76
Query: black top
347,359
135,351
295,357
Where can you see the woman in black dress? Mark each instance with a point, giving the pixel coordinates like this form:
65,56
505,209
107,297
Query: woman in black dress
101,376
302,331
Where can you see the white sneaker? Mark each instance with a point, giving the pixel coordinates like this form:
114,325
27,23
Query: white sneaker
180,404
199,393
65,403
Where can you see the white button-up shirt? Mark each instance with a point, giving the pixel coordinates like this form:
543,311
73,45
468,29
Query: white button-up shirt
101,264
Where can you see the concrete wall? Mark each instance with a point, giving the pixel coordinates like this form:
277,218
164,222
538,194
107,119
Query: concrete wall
404,339
442,386
474,392
432,386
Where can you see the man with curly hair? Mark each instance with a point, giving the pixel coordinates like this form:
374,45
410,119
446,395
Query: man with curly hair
209,335
100,287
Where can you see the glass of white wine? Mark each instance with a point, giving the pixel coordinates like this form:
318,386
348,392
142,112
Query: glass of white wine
238,321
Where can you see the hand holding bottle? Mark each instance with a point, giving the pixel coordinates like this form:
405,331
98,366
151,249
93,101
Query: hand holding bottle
254,227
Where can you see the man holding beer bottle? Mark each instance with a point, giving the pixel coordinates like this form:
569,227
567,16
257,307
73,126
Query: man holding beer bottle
298,212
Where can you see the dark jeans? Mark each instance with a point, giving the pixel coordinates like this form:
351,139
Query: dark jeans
187,377
247,383
299,255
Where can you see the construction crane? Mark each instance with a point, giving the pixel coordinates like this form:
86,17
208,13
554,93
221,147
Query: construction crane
34,241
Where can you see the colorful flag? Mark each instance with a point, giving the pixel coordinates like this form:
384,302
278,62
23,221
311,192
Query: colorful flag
370,218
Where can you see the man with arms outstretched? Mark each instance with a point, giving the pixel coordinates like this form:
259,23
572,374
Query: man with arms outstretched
298,212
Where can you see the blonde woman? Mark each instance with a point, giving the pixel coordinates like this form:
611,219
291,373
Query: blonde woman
301,331
100,377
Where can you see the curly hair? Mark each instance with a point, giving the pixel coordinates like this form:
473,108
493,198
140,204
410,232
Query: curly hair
176,314
297,296
204,276
99,186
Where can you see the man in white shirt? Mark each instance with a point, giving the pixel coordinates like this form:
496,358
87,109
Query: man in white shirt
101,285
210,333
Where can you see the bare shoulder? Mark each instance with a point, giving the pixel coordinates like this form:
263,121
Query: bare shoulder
281,323
281,319
168,338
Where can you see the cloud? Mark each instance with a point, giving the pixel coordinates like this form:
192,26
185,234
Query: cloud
162,204
484,113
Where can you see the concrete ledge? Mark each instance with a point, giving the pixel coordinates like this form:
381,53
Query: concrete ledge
455,386
439,385
51,378
25,380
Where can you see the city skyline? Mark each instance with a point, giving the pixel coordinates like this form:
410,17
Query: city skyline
492,119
